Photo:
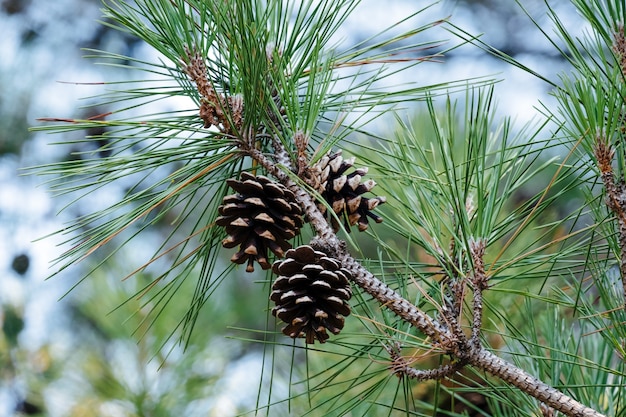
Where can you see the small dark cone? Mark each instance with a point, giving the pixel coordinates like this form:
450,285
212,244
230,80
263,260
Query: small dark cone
344,192
311,294
261,216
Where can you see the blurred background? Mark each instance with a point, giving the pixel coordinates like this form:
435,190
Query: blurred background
65,349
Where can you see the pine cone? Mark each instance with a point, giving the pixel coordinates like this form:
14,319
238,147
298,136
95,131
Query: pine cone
262,215
343,192
311,294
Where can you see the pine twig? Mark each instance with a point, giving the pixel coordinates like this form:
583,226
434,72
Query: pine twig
401,368
479,282
225,113
615,199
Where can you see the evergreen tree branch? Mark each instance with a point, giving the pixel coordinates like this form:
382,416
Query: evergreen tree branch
441,336
550,396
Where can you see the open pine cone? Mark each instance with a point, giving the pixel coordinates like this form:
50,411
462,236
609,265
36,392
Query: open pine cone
261,216
311,294
344,192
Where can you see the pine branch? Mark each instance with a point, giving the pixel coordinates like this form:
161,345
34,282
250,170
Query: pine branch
442,338
401,367
496,366
615,199
479,282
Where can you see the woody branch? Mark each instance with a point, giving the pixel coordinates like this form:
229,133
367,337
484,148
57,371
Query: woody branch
441,336
445,337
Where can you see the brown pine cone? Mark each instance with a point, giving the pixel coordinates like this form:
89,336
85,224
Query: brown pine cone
344,192
261,216
311,294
